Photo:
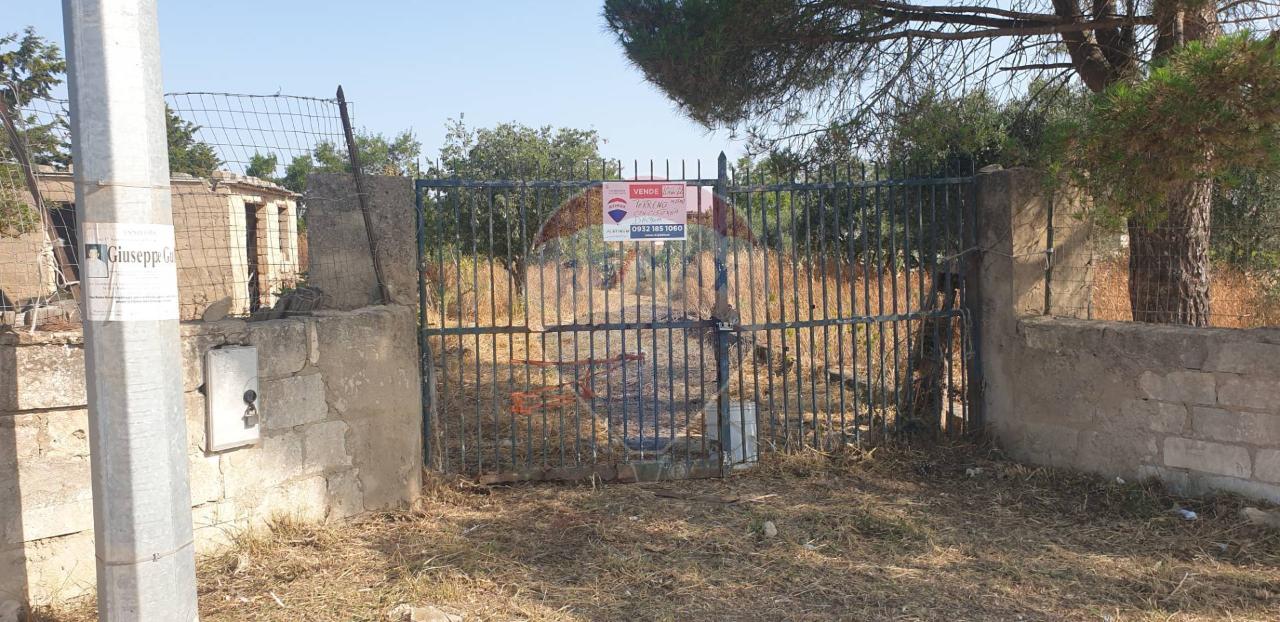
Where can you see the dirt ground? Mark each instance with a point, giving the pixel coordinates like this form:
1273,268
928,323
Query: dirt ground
945,534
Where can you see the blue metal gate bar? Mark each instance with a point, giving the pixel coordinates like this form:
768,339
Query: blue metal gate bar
548,353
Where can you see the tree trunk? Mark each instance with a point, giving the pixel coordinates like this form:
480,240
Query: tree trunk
1169,259
1169,247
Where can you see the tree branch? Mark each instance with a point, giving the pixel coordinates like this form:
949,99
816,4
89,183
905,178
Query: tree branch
959,9
986,33
1039,66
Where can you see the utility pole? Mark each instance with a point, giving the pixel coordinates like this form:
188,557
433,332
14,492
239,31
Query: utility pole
133,362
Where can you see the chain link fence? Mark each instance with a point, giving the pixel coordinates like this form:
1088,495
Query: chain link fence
239,168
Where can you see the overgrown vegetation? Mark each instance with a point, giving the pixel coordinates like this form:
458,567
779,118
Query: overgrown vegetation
187,154
30,67
1210,111
501,223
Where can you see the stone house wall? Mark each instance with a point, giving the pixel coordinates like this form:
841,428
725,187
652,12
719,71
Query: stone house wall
209,218
341,417
26,268
1197,408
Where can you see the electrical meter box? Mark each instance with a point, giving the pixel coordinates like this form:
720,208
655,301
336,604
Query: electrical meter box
231,398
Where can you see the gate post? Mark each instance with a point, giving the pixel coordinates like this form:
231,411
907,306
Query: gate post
720,313
1009,275
427,367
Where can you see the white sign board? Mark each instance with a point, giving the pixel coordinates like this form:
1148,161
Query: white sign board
644,210
128,272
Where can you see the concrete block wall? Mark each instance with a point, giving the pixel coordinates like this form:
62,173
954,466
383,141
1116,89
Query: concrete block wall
1198,408
341,417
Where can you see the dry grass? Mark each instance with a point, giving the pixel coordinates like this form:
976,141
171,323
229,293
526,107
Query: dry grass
472,291
793,375
1237,299
893,535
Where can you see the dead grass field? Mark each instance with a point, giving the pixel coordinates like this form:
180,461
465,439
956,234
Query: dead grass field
1237,299
890,535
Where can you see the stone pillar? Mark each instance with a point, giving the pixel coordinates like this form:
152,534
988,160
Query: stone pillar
338,249
1013,234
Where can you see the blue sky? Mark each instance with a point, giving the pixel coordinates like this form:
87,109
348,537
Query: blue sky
417,64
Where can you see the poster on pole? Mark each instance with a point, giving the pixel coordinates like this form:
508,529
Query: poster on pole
644,211
129,272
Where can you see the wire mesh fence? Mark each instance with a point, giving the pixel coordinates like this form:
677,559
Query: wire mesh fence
239,168
1171,275
36,266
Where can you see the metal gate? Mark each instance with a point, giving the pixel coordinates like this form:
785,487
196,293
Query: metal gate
804,311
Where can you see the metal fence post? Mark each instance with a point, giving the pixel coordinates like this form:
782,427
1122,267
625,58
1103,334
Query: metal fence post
133,361
720,313
1048,258
357,173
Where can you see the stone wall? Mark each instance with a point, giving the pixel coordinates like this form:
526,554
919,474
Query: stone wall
341,418
1198,408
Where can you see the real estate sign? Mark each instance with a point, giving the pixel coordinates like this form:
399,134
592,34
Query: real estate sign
644,210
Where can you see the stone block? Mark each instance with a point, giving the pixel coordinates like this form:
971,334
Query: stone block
1266,465
1195,484
292,401
339,249
1115,453
194,407
282,347
369,362
1245,357
1049,444
13,579
215,526
41,376
384,453
206,478
9,609
19,439
67,433
1236,426
1253,393
54,497
1215,458
304,500
60,569
250,470
1191,387
325,446
345,497
50,521
194,349
1160,417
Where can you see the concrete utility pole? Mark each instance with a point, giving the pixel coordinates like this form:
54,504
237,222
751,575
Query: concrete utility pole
133,363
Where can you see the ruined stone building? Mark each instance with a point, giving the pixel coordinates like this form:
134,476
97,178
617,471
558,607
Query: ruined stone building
237,240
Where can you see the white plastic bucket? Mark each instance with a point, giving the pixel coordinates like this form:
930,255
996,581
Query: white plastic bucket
743,451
